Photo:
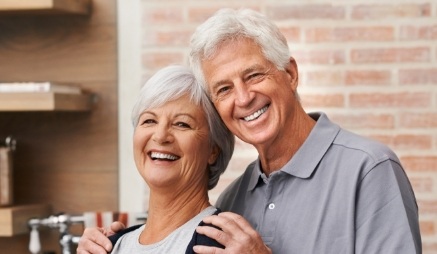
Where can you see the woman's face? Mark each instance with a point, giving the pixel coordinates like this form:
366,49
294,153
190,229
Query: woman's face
171,147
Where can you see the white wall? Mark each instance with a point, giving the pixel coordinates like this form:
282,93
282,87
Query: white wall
132,188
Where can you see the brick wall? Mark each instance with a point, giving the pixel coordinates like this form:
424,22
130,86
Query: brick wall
371,65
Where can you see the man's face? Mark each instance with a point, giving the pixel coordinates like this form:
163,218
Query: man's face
255,100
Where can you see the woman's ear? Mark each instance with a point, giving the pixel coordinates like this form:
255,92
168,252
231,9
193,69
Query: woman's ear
214,155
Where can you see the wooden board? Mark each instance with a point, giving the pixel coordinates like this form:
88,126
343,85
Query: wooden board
45,102
13,220
45,7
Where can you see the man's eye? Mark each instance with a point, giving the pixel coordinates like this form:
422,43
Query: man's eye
254,76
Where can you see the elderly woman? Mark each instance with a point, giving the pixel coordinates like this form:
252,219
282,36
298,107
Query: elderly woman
181,147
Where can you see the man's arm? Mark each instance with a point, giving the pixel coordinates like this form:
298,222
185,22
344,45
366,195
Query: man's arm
386,212
95,240
237,235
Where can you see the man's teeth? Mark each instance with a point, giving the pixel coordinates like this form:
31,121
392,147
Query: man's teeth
256,114
156,155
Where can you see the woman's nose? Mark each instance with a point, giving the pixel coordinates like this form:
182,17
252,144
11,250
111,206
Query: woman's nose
162,134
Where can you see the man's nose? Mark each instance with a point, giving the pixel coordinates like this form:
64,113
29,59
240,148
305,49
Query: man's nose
243,95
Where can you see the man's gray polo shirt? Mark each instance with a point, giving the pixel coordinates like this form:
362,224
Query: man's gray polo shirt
340,193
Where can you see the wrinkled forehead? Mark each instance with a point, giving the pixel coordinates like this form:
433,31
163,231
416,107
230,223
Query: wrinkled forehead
232,42
228,55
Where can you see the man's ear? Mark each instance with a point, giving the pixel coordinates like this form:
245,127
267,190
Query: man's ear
214,155
292,71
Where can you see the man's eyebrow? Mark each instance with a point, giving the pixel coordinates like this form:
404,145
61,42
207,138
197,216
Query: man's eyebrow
252,68
219,83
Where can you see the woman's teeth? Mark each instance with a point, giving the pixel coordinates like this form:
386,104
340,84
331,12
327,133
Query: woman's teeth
256,114
163,156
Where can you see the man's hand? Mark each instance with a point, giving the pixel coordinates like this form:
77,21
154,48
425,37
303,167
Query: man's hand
237,235
95,240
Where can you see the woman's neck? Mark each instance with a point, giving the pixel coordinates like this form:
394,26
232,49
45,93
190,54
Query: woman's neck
169,212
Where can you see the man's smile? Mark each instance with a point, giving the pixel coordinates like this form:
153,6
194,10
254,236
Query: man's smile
256,114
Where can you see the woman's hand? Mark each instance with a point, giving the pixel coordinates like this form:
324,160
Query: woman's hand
95,240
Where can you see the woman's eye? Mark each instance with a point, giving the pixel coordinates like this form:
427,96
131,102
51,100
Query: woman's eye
222,90
182,125
148,121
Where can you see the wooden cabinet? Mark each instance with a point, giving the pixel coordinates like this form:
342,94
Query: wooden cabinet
67,145
13,220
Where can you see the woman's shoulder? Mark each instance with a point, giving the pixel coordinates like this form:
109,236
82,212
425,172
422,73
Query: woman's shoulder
199,239
115,237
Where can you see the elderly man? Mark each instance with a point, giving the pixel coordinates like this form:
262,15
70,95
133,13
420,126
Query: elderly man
315,188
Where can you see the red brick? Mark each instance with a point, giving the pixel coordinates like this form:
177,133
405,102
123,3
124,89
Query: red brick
420,163
310,11
319,56
386,11
426,32
292,34
348,121
154,60
427,206
322,100
378,100
418,120
418,76
200,14
162,15
427,228
324,78
368,77
405,141
429,247
179,37
391,55
344,34
421,184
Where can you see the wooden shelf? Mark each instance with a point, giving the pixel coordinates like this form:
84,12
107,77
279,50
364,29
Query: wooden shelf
13,220
45,102
46,7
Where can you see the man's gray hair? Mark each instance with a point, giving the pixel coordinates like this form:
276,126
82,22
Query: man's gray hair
227,25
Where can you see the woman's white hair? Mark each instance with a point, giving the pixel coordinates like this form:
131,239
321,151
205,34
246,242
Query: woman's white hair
227,25
171,83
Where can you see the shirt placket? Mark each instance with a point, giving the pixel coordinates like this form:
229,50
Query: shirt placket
272,207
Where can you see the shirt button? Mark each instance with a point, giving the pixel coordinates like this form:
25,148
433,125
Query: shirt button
271,206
